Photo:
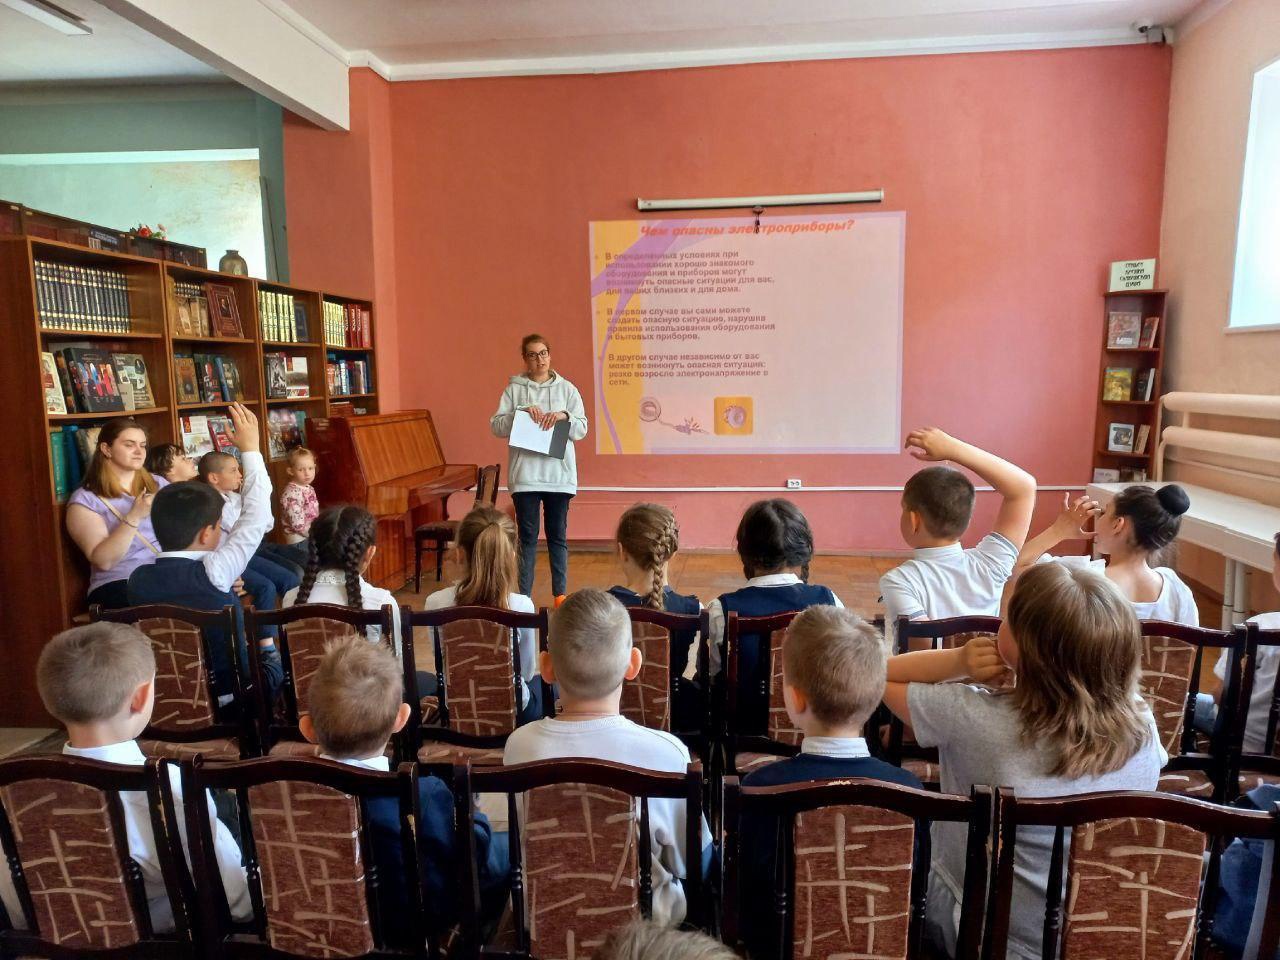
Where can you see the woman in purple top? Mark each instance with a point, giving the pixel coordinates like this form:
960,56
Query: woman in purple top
109,517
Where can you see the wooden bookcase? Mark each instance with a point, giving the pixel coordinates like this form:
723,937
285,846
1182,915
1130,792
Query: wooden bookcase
43,574
1134,411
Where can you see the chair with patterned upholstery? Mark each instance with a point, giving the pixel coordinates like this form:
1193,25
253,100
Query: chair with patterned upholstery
438,534
1251,770
651,698
1141,874
749,742
187,718
304,632
929,635
581,851
850,861
1172,660
308,848
62,825
478,681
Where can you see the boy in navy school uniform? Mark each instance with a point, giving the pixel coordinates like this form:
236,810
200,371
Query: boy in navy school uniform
355,705
198,567
833,668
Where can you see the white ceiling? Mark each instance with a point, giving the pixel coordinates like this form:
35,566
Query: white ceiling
32,53
411,39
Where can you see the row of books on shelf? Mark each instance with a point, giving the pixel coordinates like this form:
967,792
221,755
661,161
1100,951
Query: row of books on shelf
70,449
202,434
1124,383
347,377
207,378
1122,475
1129,331
287,376
347,325
81,379
72,297
284,317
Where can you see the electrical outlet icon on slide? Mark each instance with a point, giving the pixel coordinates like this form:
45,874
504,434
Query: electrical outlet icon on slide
734,416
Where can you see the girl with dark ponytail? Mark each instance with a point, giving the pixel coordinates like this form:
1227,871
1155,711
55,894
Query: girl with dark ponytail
341,547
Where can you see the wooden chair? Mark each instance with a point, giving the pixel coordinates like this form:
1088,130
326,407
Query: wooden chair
304,632
62,825
1249,770
1172,658
309,849
1141,874
947,633
581,853
477,704
851,866
650,699
187,719
438,534
751,739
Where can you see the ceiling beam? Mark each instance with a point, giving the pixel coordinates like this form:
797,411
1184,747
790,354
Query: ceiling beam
253,44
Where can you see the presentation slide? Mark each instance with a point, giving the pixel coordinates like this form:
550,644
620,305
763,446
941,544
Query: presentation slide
724,335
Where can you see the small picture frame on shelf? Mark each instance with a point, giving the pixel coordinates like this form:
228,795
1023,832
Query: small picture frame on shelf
1105,475
223,310
1120,438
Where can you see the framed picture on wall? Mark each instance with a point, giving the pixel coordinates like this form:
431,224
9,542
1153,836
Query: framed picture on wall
224,312
1120,438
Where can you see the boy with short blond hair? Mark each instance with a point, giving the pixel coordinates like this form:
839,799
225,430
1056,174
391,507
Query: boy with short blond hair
355,704
590,655
99,681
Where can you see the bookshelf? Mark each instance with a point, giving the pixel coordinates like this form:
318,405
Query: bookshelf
43,575
1129,408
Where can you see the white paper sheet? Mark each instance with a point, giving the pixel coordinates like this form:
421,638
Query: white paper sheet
527,435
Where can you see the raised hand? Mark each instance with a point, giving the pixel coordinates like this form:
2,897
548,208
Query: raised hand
244,433
1076,515
930,444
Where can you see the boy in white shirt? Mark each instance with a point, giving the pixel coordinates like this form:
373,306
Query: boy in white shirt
99,681
591,655
943,579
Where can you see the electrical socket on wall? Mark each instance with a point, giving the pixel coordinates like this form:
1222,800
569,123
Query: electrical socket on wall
793,483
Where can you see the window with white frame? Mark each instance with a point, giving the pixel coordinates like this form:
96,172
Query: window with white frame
1255,292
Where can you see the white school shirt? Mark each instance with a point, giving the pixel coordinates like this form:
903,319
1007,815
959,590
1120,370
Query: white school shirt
1175,604
232,504
331,587
227,562
526,638
979,740
618,739
1264,684
715,615
142,841
841,748
950,581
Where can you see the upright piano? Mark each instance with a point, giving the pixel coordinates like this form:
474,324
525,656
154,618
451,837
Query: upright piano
392,465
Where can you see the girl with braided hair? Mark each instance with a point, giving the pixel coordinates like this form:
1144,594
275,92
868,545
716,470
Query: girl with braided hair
648,537
487,553
340,549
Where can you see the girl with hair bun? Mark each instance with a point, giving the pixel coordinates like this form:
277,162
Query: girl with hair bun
341,547
1130,531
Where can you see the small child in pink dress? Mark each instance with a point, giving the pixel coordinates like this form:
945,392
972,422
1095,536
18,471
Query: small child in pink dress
298,503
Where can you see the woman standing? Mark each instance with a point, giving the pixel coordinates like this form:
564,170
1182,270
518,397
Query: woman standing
109,516
537,481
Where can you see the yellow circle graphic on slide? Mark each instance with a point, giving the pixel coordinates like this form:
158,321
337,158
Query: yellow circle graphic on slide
734,416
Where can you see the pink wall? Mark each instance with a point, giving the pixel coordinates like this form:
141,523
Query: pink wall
1022,174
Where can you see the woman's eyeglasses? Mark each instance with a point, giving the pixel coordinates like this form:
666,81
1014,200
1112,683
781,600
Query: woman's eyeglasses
540,355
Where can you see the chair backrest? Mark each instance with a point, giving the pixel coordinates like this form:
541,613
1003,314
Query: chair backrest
487,485
1138,881
184,698
62,823
1172,658
650,698
1257,641
851,867
305,630
308,848
477,669
747,718
581,853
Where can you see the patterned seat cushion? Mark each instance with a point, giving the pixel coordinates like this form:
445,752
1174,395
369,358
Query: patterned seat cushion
222,749
1249,779
430,707
746,761
436,752
1188,783
647,699
301,748
924,769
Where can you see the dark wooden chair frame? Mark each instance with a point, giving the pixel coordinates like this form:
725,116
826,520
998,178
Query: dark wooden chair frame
699,623
270,731
416,733
1267,764
1219,823
732,741
241,723
924,806
219,934
438,534
111,778
1217,762
514,780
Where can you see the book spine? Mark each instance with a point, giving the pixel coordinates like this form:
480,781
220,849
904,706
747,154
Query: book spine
222,379
64,379
62,296
71,451
58,453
